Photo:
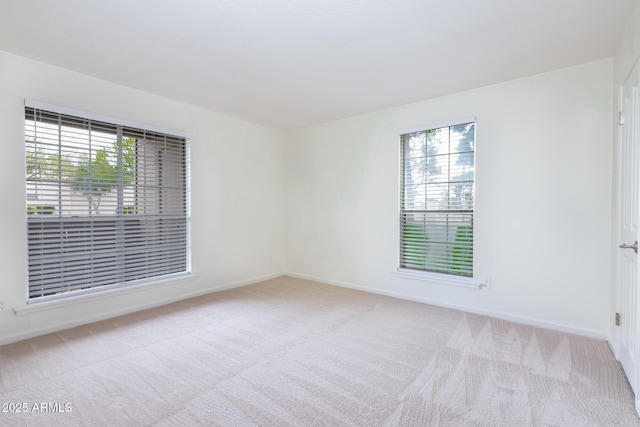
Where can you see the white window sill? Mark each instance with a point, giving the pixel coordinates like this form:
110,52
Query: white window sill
92,296
439,279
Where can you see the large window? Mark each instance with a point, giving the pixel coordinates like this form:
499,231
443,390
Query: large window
437,199
106,204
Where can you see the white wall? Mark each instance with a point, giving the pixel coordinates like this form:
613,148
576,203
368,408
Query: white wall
543,218
628,51
543,205
237,192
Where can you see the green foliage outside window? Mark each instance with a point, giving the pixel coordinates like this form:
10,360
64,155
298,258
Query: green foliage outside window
453,255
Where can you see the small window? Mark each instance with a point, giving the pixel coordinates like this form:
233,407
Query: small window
437,199
106,204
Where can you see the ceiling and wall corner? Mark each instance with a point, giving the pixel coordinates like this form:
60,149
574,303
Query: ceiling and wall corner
289,65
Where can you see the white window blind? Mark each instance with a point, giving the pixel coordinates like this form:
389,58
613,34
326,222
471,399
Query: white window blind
437,199
106,204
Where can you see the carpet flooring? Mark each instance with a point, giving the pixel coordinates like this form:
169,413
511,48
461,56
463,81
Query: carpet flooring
290,352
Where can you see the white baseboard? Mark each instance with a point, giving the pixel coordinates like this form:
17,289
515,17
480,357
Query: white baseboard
53,305
498,315
178,297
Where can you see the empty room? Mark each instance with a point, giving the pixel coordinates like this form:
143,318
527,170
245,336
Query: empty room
338,213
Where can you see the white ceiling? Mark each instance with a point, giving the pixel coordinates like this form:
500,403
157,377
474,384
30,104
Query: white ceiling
293,63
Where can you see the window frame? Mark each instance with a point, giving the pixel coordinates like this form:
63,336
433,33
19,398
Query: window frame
428,275
117,123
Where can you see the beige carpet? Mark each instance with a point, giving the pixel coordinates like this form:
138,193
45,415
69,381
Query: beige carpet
289,352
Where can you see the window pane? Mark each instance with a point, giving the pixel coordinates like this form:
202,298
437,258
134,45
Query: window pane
106,204
437,200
